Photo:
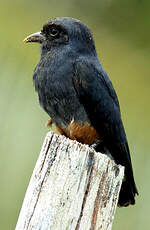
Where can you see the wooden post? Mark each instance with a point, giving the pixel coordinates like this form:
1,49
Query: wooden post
72,188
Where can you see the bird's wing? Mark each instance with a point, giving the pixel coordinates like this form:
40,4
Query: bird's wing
99,99
106,81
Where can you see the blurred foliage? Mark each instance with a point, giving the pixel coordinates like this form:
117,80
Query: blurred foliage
121,31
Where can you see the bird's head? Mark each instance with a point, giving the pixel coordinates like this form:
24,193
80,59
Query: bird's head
61,32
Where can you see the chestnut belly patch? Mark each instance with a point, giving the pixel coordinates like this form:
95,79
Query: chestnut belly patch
85,133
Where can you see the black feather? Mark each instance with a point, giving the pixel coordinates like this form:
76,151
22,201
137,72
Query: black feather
72,85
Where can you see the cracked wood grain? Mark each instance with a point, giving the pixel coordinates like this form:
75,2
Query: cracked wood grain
72,188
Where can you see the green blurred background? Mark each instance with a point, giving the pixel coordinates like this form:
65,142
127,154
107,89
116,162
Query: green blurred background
122,34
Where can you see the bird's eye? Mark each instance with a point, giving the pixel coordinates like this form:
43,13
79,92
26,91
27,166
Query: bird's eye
54,32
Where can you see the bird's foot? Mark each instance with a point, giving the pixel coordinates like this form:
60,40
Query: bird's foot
98,146
49,123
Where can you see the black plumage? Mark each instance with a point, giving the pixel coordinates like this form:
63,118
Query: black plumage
76,92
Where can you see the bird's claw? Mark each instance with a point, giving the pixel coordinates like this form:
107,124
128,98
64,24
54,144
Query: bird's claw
49,123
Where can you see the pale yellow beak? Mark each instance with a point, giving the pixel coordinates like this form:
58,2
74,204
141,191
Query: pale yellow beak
36,37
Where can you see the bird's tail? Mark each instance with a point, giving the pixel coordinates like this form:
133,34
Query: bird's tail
128,189
127,193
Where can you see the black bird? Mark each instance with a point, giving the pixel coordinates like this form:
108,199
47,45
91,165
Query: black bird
77,94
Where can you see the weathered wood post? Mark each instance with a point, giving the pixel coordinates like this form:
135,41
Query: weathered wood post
72,187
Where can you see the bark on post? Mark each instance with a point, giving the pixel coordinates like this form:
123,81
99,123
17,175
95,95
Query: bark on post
72,187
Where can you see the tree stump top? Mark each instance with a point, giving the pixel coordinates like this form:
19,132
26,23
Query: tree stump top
72,187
